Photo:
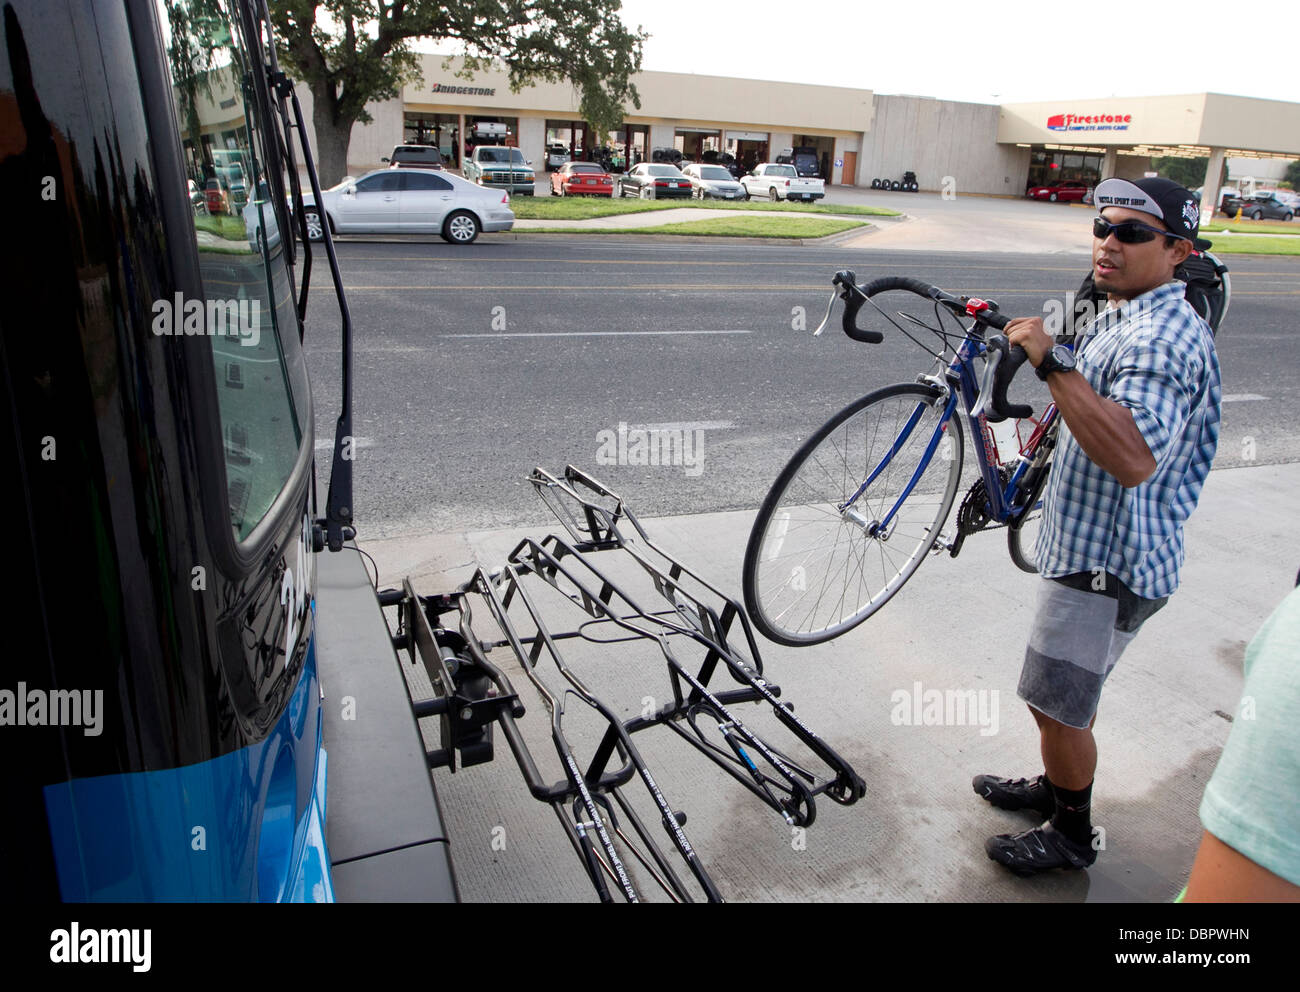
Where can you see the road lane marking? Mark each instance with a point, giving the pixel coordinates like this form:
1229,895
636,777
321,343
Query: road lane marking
582,334
686,425
1241,397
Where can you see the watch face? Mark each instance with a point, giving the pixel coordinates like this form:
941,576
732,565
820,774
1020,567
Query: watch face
1064,356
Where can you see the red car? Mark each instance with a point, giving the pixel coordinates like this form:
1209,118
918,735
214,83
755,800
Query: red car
1070,191
581,179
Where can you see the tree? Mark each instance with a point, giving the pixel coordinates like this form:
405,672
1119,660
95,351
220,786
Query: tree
1292,175
1187,172
367,55
198,37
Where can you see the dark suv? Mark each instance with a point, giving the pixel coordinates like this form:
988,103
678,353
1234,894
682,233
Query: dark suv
414,157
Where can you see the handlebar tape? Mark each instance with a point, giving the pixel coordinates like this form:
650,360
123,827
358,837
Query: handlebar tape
853,299
1013,356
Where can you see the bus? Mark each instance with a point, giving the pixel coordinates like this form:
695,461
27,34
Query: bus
188,616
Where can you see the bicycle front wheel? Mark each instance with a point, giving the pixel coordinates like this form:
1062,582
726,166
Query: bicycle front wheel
820,561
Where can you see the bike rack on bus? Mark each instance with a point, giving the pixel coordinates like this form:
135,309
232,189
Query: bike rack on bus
695,632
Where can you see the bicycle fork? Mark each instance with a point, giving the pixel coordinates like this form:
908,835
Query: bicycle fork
881,529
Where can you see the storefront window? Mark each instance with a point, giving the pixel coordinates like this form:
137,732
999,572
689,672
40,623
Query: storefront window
1047,167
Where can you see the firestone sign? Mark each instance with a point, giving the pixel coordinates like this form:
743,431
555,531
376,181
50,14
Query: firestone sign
1089,122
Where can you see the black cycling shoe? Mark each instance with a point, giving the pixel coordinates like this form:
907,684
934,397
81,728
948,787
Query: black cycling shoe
1040,849
1021,793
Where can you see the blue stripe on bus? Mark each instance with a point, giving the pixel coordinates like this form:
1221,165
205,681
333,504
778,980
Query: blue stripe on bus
247,826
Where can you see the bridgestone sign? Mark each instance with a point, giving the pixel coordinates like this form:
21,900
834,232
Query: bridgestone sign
465,90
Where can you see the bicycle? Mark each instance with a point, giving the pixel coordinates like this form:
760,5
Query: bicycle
878,480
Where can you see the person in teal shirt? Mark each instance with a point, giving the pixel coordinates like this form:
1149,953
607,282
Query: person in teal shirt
1250,851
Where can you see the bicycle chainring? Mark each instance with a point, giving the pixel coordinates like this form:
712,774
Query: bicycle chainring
974,514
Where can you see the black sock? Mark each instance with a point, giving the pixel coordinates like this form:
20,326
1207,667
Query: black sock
1074,813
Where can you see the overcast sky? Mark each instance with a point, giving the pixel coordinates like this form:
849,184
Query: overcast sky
1003,52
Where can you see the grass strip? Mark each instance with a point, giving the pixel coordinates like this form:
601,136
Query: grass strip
1253,227
585,208
1228,245
727,227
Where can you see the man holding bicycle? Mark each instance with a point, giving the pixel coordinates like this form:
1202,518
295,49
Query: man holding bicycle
1140,400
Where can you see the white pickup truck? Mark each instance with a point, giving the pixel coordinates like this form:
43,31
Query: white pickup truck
781,182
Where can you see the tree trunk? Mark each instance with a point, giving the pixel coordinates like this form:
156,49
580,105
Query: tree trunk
332,140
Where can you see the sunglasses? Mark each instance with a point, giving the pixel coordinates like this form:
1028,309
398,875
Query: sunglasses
1129,232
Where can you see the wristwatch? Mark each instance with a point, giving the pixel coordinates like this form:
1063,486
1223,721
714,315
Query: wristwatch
1059,359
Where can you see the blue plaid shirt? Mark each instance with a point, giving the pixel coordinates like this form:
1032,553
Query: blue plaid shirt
1155,355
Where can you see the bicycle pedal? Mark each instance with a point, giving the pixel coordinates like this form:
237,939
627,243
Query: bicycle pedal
942,543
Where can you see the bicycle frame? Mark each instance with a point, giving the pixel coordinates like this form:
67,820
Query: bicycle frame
960,373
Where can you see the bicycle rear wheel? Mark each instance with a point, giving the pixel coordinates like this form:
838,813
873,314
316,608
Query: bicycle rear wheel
1021,539
1022,534
813,571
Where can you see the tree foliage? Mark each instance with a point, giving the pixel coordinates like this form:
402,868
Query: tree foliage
1292,174
353,52
1188,172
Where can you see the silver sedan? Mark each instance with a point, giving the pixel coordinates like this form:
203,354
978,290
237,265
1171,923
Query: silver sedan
409,201
713,181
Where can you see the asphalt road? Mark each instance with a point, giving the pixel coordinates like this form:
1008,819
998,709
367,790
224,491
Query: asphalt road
475,364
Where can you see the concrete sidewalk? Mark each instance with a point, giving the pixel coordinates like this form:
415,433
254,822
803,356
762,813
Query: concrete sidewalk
958,625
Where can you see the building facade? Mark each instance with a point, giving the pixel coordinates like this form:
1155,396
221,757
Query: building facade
857,134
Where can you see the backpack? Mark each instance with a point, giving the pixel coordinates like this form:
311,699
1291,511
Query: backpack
1208,290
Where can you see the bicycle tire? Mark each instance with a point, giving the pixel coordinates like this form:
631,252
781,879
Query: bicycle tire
1022,534
771,593
1023,537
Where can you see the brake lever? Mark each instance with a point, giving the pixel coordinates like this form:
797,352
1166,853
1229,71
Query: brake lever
826,320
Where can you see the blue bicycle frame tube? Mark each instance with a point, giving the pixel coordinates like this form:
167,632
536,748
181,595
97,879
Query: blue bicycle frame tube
969,389
930,449
889,455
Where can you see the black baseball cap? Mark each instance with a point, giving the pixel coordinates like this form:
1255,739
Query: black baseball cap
1161,198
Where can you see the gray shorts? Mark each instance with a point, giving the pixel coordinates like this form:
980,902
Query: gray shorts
1078,634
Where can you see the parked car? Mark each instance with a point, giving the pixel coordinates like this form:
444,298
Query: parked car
259,221
1068,192
557,154
1264,205
804,159
197,198
654,179
726,160
1291,199
501,167
414,157
216,196
409,201
581,179
713,181
778,181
